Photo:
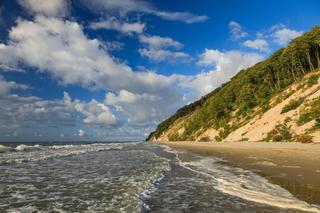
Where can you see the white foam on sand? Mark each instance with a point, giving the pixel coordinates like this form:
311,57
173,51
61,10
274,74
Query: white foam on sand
244,184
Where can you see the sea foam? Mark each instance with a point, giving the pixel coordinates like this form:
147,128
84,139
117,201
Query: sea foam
244,184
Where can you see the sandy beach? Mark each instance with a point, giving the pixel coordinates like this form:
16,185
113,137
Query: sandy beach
294,166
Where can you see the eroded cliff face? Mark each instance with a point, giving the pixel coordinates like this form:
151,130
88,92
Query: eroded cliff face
293,116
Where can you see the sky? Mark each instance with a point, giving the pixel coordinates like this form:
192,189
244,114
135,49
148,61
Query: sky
83,70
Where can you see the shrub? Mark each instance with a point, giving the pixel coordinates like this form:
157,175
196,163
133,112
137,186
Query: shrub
293,104
312,80
309,112
281,132
265,107
205,139
304,138
217,138
316,125
174,137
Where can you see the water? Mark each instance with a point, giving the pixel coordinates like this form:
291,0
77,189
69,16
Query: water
131,177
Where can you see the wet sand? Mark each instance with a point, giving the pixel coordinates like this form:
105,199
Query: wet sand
294,166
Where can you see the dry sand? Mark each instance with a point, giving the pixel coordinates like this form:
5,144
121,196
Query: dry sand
294,166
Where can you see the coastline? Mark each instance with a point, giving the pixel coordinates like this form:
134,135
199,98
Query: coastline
294,166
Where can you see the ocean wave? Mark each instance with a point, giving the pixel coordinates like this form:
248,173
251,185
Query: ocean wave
23,147
244,184
4,148
24,153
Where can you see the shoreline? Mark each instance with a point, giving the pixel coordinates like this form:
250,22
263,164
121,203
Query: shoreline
294,166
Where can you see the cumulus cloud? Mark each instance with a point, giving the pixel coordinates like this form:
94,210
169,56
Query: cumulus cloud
7,86
113,23
94,112
164,55
278,34
23,111
61,49
257,44
20,111
127,97
46,7
236,31
224,65
143,108
125,6
158,42
161,49
284,35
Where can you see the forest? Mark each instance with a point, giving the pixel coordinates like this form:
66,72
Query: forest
250,89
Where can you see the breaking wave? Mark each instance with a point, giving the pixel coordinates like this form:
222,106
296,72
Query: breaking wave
23,153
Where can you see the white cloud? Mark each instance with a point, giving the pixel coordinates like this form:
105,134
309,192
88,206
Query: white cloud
284,35
143,108
113,23
186,17
19,111
164,55
127,97
81,133
6,86
61,49
158,49
158,42
279,34
257,44
46,7
94,113
125,6
224,66
236,30
31,111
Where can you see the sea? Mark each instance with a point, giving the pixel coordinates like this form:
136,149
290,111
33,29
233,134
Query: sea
131,177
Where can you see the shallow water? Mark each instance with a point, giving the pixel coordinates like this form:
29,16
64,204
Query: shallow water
131,177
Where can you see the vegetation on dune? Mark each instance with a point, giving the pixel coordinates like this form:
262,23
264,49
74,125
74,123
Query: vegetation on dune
186,110
304,138
309,82
313,79
250,89
309,112
282,132
205,139
294,104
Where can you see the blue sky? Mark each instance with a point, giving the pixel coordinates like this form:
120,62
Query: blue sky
106,70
